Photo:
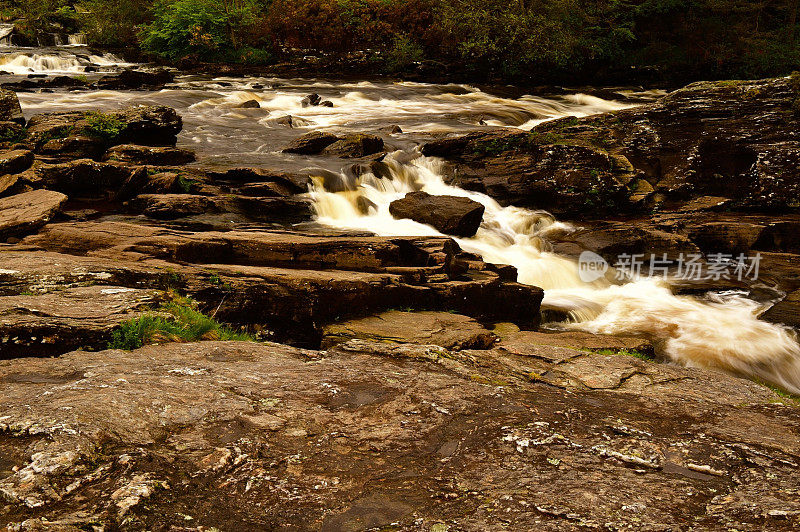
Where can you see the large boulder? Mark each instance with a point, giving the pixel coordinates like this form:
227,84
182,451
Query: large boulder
355,145
149,125
136,79
84,177
10,109
15,161
144,125
25,213
311,143
451,215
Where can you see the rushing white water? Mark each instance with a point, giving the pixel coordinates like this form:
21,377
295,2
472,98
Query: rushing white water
22,62
722,332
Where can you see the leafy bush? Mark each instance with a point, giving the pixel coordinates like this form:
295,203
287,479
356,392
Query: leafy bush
405,52
206,29
112,23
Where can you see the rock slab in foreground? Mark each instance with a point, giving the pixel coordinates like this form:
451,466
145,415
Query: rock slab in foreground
451,215
25,213
241,436
448,330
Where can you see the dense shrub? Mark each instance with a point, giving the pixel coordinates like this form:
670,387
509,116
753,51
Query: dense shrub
207,29
514,39
111,23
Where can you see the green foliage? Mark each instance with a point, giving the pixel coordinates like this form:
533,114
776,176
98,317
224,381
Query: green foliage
182,323
12,134
186,185
103,125
205,29
404,52
112,23
519,142
626,352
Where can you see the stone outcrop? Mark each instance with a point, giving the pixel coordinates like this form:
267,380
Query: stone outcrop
24,213
144,125
232,435
348,146
150,155
10,109
728,139
448,330
451,215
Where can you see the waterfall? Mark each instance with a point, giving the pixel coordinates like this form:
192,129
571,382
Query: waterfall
77,39
721,332
6,30
54,62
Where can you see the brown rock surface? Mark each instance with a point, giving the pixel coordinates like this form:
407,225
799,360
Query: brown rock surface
259,437
448,330
25,213
451,215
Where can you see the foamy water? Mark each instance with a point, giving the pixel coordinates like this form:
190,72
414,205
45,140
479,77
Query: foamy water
721,332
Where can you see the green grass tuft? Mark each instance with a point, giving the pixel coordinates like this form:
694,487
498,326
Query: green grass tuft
103,125
626,352
182,323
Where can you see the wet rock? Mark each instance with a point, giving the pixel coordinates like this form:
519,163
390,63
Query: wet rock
786,311
611,239
781,236
274,209
311,100
356,145
171,206
149,125
144,125
326,103
730,140
15,161
289,121
296,181
451,331
726,237
25,213
157,156
83,177
136,79
249,104
450,215
10,109
311,143
73,147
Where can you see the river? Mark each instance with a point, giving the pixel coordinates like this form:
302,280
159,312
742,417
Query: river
719,330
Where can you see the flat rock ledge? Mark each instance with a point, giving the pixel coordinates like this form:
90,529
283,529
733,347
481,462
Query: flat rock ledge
375,436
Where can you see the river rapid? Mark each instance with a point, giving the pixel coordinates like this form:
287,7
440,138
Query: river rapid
720,330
